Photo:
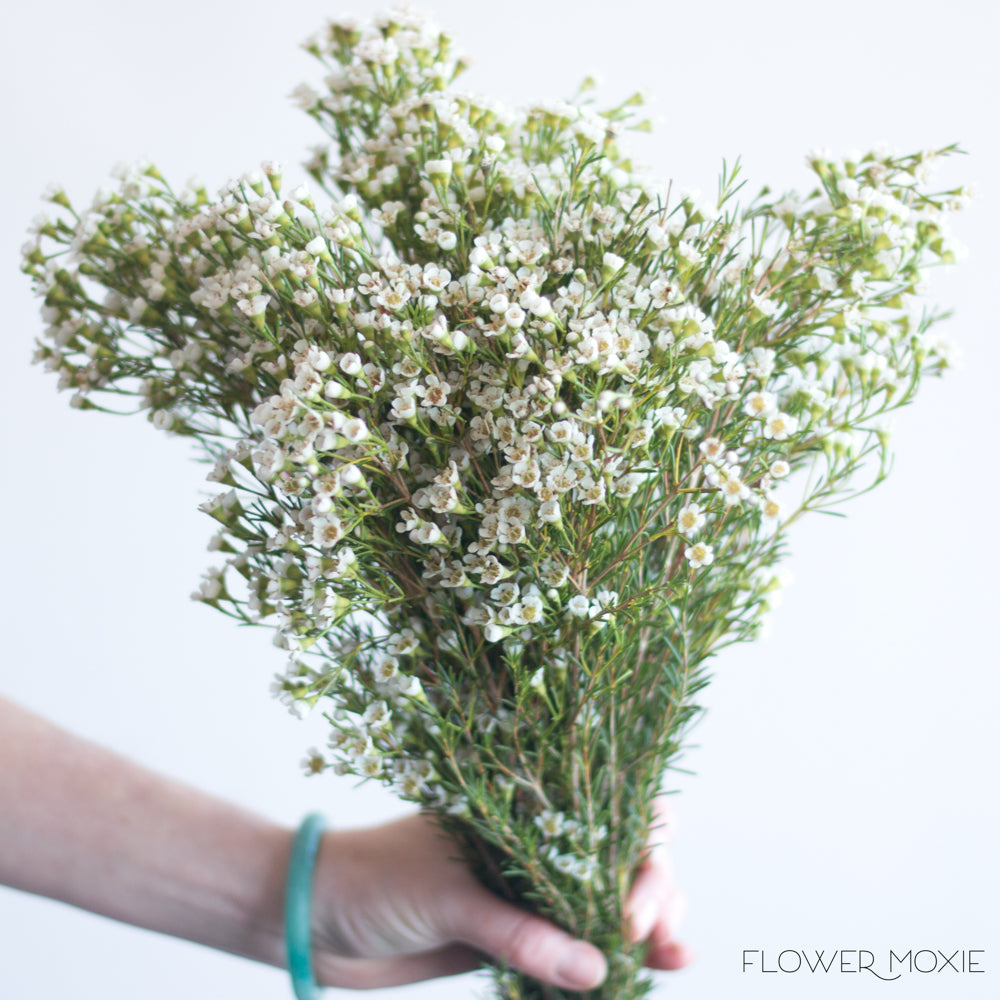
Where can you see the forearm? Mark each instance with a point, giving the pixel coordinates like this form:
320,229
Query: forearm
84,825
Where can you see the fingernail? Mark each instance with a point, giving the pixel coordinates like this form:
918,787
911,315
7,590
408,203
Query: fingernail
642,920
580,967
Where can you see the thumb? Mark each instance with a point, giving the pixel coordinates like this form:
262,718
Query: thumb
529,943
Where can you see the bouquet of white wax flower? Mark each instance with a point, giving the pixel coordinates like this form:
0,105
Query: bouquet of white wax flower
504,430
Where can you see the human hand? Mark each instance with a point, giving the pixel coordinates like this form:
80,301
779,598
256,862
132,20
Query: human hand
655,905
391,905
394,904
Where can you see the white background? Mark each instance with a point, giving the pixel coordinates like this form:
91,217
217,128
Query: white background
844,793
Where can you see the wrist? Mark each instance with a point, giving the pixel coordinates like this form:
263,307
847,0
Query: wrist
251,897
343,869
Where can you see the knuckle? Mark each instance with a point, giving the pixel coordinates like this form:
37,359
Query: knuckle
524,943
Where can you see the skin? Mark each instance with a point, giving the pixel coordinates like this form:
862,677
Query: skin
392,904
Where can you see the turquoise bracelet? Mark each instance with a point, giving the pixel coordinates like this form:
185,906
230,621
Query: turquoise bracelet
298,906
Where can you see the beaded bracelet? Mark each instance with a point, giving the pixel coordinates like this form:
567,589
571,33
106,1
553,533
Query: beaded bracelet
298,906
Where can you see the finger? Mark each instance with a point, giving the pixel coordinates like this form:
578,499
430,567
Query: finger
671,914
655,907
654,899
663,827
645,902
669,957
529,942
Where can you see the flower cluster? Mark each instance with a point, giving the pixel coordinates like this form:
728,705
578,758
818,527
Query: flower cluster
509,436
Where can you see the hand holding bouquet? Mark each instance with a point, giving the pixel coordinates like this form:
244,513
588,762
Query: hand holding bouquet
510,436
